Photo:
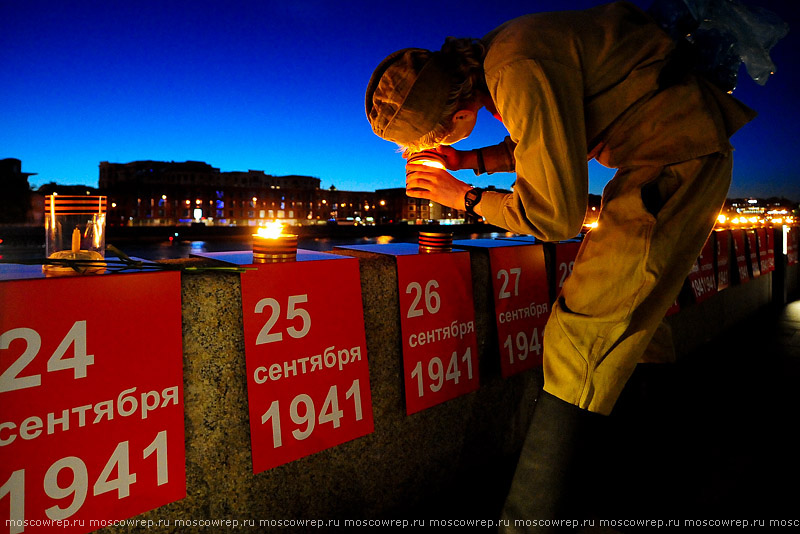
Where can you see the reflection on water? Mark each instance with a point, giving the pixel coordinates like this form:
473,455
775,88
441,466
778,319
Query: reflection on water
183,249
173,249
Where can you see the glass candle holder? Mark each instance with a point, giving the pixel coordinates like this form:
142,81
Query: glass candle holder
431,242
428,158
75,229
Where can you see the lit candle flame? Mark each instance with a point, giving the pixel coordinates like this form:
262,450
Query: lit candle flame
429,159
271,231
431,163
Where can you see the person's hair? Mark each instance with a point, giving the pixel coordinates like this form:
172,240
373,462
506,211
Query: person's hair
463,57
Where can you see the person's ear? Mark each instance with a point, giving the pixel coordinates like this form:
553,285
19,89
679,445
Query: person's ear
464,115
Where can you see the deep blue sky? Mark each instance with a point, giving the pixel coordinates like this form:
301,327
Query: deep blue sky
278,86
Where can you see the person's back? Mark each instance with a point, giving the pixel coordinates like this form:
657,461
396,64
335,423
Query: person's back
618,53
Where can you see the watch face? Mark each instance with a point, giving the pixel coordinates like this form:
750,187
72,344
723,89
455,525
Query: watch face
471,198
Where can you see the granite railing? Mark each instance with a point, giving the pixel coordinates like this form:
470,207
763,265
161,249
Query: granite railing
452,460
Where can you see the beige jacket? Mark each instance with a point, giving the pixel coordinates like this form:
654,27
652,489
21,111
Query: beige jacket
575,85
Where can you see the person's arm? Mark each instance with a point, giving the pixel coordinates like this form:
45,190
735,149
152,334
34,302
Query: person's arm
490,159
541,103
496,158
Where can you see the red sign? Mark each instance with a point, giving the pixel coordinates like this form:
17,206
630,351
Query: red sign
565,259
761,241
722,240
675,308
701,278
741,255
91,400
306,359
791,244
437,320
769,240
752,253
521,303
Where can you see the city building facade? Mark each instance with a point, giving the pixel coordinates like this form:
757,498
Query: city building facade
157,193
172,193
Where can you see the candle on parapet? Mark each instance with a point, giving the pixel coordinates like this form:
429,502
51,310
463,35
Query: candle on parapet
435,242
270,245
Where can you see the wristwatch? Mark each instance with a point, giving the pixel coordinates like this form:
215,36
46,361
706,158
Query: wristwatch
471,199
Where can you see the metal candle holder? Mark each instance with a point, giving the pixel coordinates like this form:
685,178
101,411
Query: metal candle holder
432,242
274,249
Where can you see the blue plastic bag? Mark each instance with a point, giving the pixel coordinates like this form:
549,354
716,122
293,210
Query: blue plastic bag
721,35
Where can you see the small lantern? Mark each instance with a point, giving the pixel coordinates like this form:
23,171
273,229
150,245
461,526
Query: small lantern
75,229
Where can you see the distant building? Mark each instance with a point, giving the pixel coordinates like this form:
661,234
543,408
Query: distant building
173,193
169,193
393,205
16,198
347,207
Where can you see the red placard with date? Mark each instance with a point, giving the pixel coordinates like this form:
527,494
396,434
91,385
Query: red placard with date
519,280
565,259
763,259
769,234
791,237
722,240
437,320
91,400
766,249
701,278
306,358
752,252
741,255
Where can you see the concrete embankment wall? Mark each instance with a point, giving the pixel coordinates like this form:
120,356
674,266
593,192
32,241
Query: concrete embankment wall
452,460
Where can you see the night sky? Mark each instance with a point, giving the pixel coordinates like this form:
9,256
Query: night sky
279,87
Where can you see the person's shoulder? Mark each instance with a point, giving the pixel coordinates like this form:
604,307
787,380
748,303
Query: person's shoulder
530,37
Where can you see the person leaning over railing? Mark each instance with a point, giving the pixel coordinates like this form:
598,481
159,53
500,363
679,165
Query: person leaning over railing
570,86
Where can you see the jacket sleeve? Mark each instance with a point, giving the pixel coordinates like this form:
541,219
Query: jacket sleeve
541,103
500,157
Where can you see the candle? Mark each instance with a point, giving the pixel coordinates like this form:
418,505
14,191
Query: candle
76,240
426,158
270,245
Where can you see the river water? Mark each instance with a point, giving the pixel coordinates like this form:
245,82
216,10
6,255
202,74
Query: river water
175,249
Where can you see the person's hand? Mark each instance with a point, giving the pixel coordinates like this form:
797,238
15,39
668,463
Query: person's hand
435,184
453,159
